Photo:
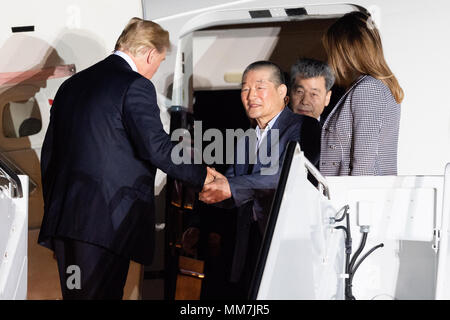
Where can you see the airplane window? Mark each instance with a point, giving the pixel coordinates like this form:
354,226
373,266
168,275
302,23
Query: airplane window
21,118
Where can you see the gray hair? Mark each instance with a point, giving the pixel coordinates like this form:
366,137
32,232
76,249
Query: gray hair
310,68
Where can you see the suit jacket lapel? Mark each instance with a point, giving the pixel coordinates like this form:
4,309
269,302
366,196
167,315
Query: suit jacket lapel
242,168
279,125
248,167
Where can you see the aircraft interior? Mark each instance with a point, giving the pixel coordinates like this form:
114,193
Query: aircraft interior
215,100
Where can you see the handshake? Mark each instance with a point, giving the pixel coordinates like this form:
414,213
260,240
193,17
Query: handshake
216,187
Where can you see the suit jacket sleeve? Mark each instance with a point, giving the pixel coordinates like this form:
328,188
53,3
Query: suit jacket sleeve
46,151
228,203
47,146
247,187
141,116
310,139
368,108
258,184
48,173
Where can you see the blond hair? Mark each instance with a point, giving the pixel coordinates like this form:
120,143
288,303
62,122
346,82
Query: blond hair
353,45
141,35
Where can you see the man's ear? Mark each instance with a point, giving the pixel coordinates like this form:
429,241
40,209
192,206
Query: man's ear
282,90
327,98
150,55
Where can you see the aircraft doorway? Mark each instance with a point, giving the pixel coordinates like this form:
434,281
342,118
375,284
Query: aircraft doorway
219,56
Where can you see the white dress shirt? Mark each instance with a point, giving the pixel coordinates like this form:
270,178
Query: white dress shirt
261,133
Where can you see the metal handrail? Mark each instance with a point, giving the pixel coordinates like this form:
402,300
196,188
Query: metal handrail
15,186
319,177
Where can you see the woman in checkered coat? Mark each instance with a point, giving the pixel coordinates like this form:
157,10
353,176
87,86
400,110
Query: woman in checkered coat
360,136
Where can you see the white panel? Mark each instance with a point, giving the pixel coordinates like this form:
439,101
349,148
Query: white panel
306,255
305,259
405,210
162,9
215,54
401,213
79,32
14,245
6,218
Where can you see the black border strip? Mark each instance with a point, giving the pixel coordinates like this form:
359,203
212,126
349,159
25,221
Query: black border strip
260,14
22,29
272,221
292,12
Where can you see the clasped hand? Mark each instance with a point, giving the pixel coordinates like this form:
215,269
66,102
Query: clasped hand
216,187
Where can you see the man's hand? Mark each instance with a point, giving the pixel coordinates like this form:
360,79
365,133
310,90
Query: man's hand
209,176
216,191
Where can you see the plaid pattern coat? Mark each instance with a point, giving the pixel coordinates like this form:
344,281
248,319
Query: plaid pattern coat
360,136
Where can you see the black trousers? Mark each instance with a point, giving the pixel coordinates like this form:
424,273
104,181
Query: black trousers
87,271
251,259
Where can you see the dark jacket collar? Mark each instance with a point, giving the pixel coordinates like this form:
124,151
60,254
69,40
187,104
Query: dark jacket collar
285,115
281,124
119,61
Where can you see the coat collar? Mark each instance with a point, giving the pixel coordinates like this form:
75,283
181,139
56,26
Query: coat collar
127,58
114,58
285,114
281,125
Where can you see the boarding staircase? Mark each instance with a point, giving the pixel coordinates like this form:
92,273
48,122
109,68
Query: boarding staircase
405,220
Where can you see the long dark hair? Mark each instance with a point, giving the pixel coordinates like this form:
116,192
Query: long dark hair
353,45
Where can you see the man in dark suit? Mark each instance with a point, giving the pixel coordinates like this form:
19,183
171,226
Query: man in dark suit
103,145
250,185
310,93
